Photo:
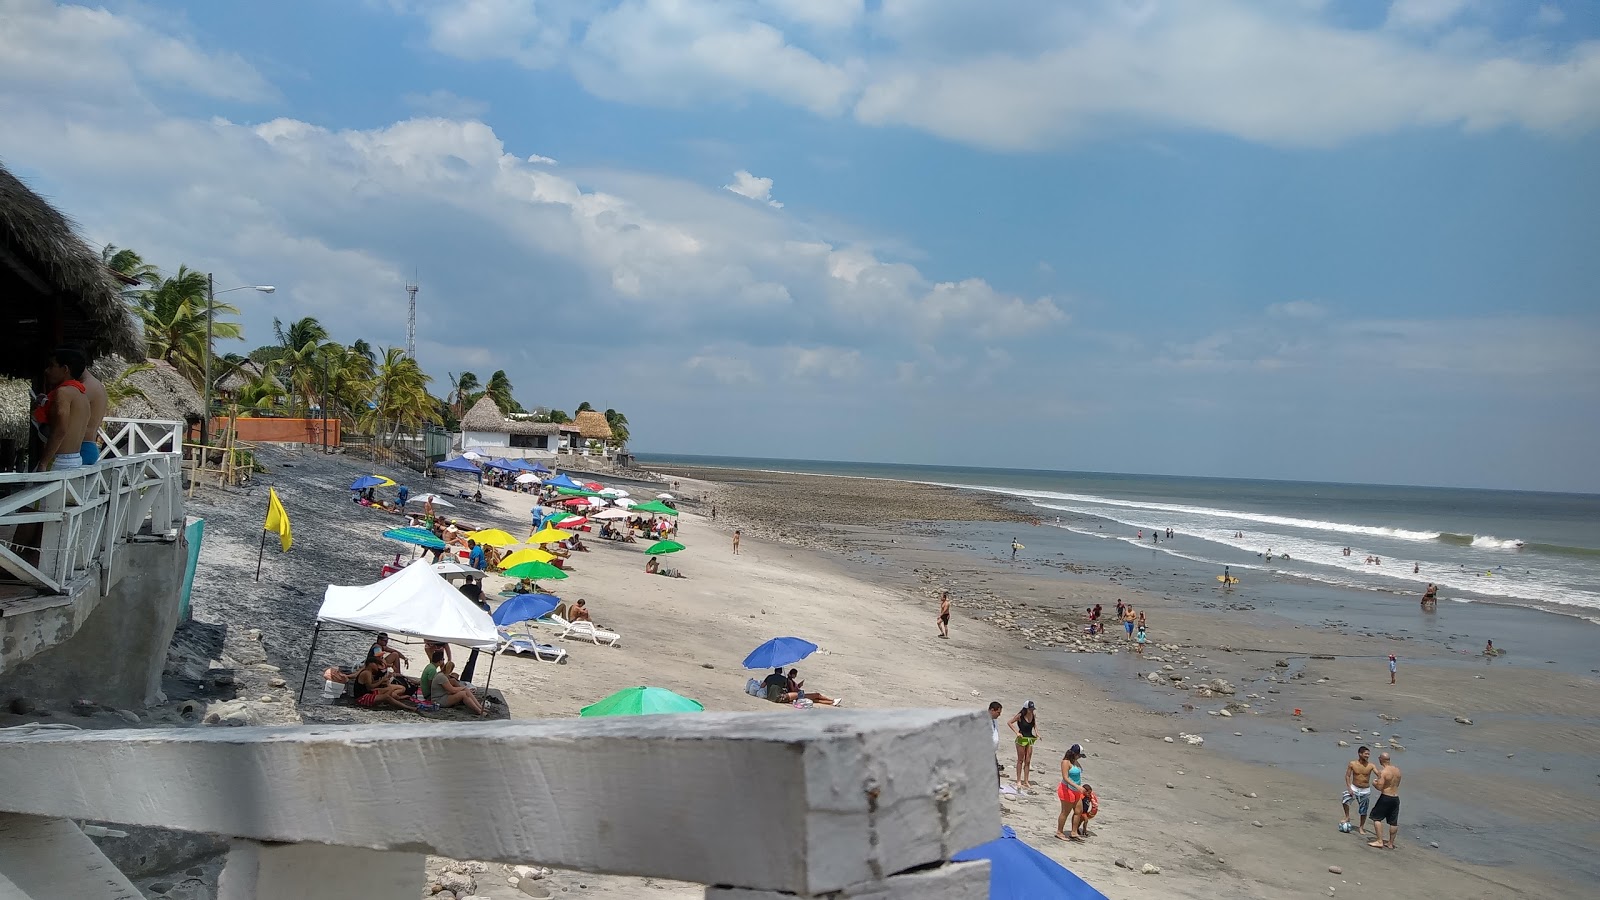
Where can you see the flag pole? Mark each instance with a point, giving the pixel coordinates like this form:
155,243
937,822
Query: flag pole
260,553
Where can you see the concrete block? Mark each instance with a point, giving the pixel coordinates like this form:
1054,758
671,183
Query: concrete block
47,858
952,881
257,871
803,803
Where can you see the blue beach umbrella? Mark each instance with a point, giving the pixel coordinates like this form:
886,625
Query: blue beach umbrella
564,481
418,536
370,481
780,651
524,608
458,464
1019,872
501,463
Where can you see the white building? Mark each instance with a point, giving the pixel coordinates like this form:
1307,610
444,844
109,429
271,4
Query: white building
486,429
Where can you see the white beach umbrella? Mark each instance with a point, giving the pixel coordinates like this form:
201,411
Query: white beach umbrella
527,478
437,500
448,569
613,492
665,497
471,454
596,501
624,502
611,514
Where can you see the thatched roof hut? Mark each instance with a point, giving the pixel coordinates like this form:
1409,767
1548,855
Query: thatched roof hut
485,417
592,425
166,394
54,290
239,378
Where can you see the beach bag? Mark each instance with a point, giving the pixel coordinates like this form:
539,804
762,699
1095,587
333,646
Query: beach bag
752,687
803,703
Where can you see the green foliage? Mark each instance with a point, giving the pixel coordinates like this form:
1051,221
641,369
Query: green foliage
499,388
173,313
619,427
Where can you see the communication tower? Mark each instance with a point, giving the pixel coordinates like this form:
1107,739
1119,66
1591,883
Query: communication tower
411,320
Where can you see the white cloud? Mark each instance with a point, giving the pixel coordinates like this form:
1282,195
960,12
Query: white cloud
1424,14
1549,16
1296,309
834,363
68,53
538,160
747,185
447,104
723,369
1035,73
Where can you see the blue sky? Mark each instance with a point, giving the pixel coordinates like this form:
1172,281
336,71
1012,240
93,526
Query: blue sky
1300,239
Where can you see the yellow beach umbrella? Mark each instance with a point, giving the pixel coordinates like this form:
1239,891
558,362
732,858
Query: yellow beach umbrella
492,537
547,535
522,556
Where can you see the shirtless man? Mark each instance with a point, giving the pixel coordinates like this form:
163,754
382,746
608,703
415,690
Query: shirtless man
1387,809
65,412
1358,787
944,615
736,542
98,401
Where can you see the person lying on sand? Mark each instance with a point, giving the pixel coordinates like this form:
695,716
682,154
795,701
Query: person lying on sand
797,689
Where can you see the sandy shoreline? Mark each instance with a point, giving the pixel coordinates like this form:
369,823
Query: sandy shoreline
865,593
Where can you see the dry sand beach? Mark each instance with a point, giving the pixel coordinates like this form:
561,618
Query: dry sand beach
1215,821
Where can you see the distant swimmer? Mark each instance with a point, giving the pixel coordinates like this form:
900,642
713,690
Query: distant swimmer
1415,567
1430,597
1141,534
1488,649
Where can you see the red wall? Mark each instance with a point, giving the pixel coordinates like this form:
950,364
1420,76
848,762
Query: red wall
281,431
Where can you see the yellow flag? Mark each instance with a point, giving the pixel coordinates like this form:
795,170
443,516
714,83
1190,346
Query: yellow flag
278,519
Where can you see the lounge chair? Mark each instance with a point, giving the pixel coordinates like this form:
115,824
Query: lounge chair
585,630
523,644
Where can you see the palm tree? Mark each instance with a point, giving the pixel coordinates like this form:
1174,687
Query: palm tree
464,391
129,266
261,393
585,407
173,313
499,387
619,427
302,357
559,417
400,398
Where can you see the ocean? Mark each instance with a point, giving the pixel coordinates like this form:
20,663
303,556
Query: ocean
1516,547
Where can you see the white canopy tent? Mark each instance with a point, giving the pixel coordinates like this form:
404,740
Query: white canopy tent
416,601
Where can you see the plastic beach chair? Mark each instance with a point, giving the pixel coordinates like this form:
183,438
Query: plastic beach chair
522,644
585,630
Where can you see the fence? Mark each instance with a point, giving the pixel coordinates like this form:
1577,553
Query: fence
844,804
65,525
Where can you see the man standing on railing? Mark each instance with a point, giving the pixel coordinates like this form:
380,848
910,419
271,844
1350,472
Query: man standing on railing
65,412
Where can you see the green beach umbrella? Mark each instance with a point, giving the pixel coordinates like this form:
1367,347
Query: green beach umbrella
654,506
535,570
576,492
660,547
641,701
558,518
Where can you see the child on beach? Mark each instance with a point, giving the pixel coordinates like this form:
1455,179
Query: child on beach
1141,639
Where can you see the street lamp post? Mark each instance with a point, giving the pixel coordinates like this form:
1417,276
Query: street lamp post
211,302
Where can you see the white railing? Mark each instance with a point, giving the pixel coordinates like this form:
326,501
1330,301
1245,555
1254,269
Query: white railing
844,804
58,528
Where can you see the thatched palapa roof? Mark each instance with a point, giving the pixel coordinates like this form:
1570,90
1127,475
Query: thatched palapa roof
237,379
167,395
485,416
16,408
592,425
53,287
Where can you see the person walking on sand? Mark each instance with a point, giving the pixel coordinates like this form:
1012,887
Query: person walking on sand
1140,637
1025,726
736,542
1387,809
1392,667
1127,621
1358,788
944,615
1015,546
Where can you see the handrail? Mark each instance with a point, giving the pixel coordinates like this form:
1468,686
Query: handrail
843,803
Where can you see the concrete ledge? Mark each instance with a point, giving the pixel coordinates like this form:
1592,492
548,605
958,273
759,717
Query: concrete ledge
804,803
952,881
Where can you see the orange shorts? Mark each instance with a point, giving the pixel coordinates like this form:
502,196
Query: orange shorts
1068,794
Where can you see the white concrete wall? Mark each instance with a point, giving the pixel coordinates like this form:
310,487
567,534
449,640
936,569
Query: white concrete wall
471,440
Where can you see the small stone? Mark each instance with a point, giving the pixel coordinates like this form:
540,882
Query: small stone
1149,869
213,719
1225,714
1306,729
1123,863
1169,740
268,698
1208,851
1282,664
1238,734
1336,870
707,666
1258,824
277,682
129,716
161,887
1171,785
1344,743
1433,844
1251,795
1355,697
1463,720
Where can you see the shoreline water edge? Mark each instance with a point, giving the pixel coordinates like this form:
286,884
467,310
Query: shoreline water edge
1303,660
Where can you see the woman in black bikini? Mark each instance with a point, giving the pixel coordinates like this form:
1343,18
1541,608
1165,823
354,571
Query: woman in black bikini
1024,725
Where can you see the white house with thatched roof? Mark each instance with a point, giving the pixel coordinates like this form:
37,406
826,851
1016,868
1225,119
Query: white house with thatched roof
487,430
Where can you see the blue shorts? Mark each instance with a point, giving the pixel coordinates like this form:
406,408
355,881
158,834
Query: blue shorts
90,451
1128,627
